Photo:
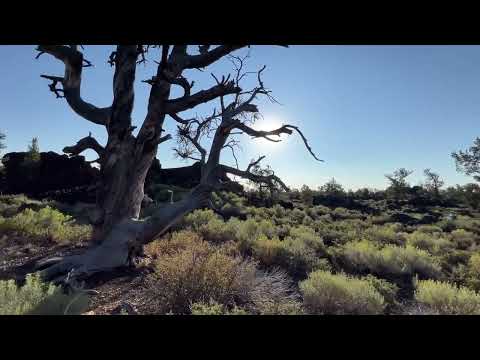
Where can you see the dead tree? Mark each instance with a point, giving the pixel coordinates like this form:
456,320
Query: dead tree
125,159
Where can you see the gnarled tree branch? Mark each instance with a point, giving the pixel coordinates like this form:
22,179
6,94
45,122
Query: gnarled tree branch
71,82
201,97
84,144
269,180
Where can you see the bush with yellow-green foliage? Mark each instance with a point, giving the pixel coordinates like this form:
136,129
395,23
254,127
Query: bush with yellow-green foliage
300,252
390,260
325,293
386,289
429,229
303,251
268,251
190,270
386,234
473,272
45,224
339,232
461,222
214,308
447,299
212,228
433,243
463,239
38,298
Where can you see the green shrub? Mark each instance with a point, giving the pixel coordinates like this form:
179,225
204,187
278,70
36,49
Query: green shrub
45,224
433,243
447,299
325,293
391,259
297,215
248,231
190,270
339,232
387,234
38,298
473,272
302,251
429,229
214,308
463,239
268,251
199,273
386,289
199,218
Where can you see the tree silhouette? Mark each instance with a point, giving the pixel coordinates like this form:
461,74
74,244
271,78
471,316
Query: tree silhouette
468,162
125,159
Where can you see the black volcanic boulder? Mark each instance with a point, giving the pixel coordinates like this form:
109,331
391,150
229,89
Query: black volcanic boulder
53,172
429,219
72,179
403,218
185,177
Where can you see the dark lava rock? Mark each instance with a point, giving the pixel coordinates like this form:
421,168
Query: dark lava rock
53,172
403,218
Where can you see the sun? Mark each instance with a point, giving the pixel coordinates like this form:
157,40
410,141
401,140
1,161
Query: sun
268,123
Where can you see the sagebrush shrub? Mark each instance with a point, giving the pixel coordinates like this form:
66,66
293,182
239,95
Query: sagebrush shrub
429,229
38,298
473,272
45,224
386,289
326,293
190,270
391,259
302,251
268,251
199,273
433,243
387,234
447,299
463,239
214,308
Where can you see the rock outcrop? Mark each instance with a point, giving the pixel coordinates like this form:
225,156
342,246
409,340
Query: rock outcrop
51,173
72,179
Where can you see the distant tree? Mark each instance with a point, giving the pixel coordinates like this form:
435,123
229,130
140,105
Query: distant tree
2,139
398,183
433,183
2,146
307,195
332,187
471,195
33,152
468,162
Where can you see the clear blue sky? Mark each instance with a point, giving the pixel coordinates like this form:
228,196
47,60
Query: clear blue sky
366,110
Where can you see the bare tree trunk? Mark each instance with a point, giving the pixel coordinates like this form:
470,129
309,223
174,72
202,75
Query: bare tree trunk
126,159
121,189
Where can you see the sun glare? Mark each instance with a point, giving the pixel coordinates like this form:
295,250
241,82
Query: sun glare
269,123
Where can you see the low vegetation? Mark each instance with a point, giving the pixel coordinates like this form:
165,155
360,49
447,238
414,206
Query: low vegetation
447,299
38,298
309,259
45,224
